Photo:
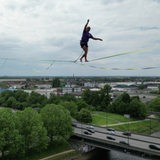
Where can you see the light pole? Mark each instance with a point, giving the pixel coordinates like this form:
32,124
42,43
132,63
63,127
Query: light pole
150,127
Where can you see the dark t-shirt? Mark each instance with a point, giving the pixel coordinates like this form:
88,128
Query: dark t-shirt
85,37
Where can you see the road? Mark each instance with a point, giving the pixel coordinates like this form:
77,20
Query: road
135,140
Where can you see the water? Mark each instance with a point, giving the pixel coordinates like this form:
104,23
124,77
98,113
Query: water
113,155
103,155
8,89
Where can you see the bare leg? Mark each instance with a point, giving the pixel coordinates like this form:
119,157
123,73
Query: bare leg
85,54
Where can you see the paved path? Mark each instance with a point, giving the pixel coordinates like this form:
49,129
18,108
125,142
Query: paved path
117,124
58,154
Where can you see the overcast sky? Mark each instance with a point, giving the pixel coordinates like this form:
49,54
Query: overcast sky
34,33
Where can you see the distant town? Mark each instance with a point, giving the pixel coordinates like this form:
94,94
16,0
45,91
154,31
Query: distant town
144,87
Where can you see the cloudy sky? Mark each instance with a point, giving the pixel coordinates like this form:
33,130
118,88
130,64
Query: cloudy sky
41,37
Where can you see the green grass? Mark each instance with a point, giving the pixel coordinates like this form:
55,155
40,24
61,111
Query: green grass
144,127
102,118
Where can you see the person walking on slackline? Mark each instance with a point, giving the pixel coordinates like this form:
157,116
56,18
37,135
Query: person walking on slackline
84,40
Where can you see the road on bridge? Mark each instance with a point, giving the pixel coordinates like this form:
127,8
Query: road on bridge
139,142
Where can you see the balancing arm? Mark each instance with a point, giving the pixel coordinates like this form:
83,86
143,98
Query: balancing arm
86,25
94,38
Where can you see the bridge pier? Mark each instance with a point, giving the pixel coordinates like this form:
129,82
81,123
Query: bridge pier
87,148
81,146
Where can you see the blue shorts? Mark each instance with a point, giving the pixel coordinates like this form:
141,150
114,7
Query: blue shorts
82,44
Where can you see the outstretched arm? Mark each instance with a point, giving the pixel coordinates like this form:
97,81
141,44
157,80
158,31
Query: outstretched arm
86,25
94,38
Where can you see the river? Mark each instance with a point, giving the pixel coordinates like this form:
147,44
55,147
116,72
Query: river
101,154
113,155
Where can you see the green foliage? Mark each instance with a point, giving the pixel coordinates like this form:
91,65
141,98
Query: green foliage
137,109
56,82
10,139
82,104
100,99
56,99
53,99
142,86
57,121
85,116
124,104
4,85
36,100
105,97
154,105
30,126
71,107
120,104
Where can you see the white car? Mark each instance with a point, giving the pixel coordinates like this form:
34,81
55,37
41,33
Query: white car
90,129
110,132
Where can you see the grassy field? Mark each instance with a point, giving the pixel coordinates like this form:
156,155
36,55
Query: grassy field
103,119
122,123
146,127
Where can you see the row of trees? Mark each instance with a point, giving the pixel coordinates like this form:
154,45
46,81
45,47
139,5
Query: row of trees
24,131
20,100
123,104
91,100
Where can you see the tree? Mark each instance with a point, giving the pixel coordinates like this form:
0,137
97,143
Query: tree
68,97
31,127
11,102
21,96
57,121
105,97
91,98
137,109
4,96
86,96
10,139
158,89
71,107
56,83
125,97
99,99
36,100
85,116
154,105
53,99
82,104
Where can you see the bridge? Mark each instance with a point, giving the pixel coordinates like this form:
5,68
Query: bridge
104,138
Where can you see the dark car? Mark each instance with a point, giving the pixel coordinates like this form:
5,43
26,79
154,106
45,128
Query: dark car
153,146
87,133
90,130
74,125
110,138
110,129
123,142
127,133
